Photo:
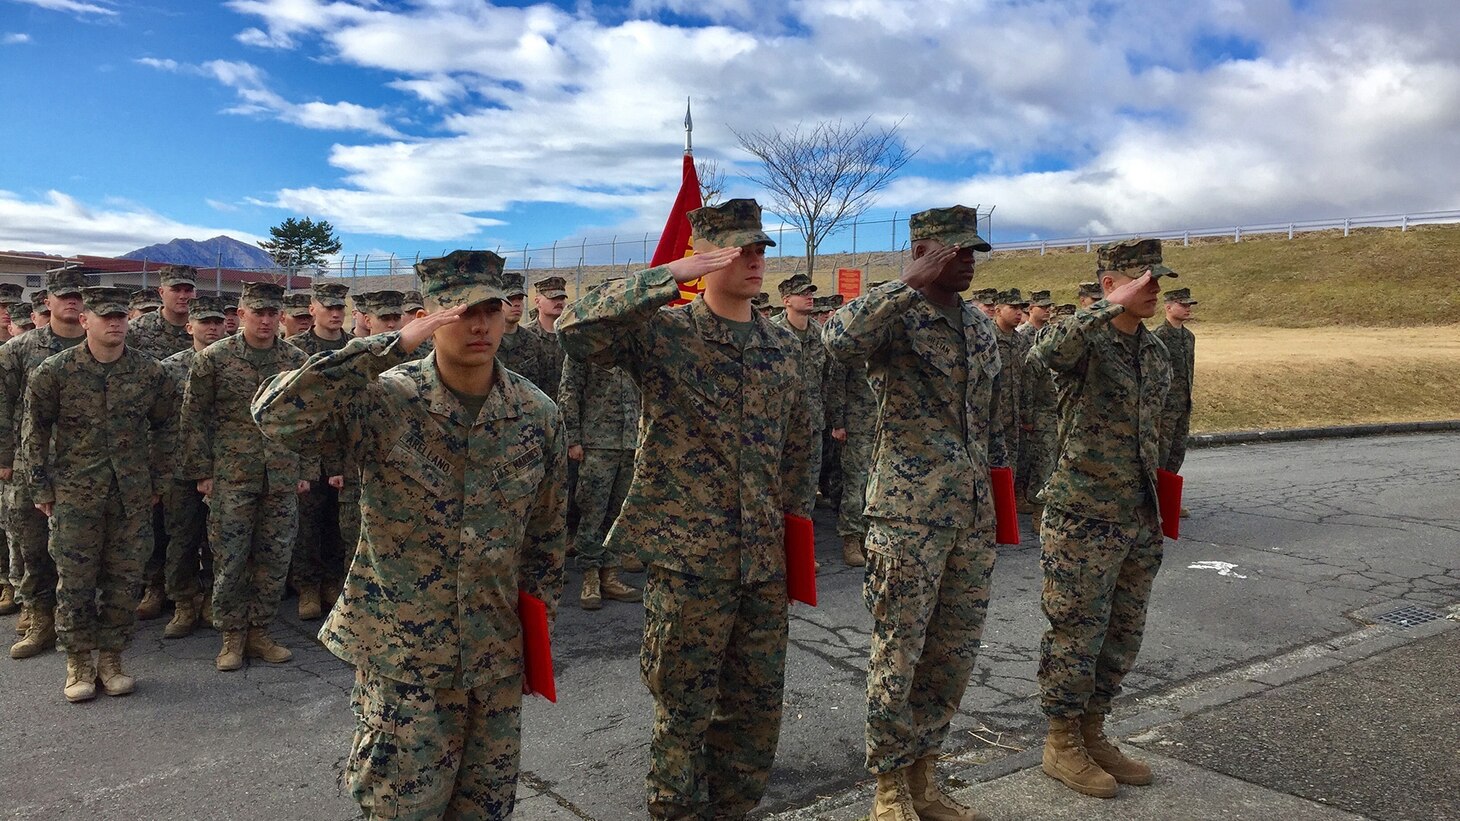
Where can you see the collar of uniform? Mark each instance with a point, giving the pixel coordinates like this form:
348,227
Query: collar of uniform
122,365
503,400
239,347
50,338
713,328
931,312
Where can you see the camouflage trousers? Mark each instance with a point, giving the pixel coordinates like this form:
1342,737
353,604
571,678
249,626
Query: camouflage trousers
317,547
714,659
856,460
422,753
1097,581
603,482
29,530
349,521
1175,428
154,571
928,591
99,547
814,465
252,535
1036,460
189,565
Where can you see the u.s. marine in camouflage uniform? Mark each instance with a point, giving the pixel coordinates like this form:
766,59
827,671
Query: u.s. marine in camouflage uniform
933,361
1013,348
463,506
799,296
9,294
550,300
99,434
1180,344
600,408
722,459
1101,531
1041,410
857,415
523,351
252,485
27,527
188,574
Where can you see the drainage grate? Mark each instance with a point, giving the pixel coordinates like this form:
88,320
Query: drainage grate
1408,616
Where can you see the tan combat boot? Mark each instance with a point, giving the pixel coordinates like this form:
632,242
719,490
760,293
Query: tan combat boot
39,637
1066,761
632,564
231,656
893,801
184,620
151,605
114,681
852,551
309,609
80,678
615,590
591,596
929,800
1121,767
260,645
22,624
1185,514
8,604
205,610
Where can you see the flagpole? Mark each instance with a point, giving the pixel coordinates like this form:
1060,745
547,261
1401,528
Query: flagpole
689,127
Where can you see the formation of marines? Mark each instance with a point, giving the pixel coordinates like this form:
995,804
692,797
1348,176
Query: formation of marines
412,479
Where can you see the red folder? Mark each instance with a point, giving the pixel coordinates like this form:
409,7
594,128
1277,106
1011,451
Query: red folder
1006,517
1168,501
801,559
537,647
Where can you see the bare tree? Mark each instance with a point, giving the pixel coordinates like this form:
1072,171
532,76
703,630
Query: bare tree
822,177
712,181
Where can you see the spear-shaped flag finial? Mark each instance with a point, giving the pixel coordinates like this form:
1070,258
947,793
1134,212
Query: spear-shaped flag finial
689,127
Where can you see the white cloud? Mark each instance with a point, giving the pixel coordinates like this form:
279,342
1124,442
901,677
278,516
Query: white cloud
219,205
61,224
72,6
14,38
1343,106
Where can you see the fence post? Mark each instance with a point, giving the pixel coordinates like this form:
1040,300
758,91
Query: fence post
1237,234
1346,223
854,248
781,240
1041,247
1290,230
554,256
1404,223
1088,242
893,246
646,248
613,250
1185,237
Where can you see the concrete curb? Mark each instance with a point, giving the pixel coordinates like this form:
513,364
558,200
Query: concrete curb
1245,437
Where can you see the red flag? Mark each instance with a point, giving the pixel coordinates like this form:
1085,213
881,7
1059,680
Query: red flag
675,243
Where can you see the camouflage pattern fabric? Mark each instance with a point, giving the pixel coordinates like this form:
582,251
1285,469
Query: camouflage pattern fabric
421,754
714,658
821,394
1013,347
724,438
1109,415
527,354
107,421
600,408
927,589
1041,424
1097,581
1176,414
254,507
858,416
554,356
27,527
153,335
318,555
937,397
428,476
188,564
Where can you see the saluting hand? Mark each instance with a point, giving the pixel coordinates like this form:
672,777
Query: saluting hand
924,271
1135,292
337,482
688,269
422,328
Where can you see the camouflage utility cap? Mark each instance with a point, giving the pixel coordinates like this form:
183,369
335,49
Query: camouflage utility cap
412,301
878,283
797,284
1090,289
1133,255
731,224
105,300
296,303
18,310
145,299
761,300
829,303
515,284
1182,295
10,292
179,275
206,307
381,303
951,226
461,278
38,301
1040,299
552,287
331,294
1065,309
261,296
65,281
985,296
1011,297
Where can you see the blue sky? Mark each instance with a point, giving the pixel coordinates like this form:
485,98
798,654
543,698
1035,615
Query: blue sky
428,125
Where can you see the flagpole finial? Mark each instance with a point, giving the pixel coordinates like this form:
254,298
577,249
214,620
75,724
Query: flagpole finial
689,127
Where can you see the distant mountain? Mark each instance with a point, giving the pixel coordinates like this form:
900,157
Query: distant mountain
205,254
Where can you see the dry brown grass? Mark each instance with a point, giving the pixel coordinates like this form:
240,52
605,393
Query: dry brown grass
1258,377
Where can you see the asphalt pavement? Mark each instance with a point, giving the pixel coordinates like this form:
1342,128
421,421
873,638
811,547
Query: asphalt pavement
1275,597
